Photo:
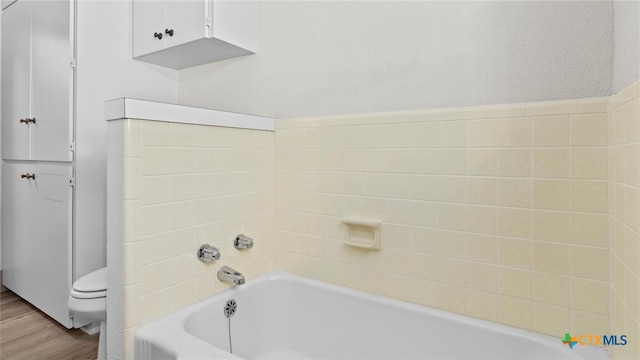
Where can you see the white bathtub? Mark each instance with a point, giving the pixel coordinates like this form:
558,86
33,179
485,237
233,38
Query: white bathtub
283,316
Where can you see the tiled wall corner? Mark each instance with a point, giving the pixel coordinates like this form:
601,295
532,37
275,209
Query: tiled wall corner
117,142
624,254
484,209
186,185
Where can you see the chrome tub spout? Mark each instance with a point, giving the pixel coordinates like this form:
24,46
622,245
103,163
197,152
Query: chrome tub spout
228,274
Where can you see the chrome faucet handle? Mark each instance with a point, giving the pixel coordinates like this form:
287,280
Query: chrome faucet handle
208,253
243,242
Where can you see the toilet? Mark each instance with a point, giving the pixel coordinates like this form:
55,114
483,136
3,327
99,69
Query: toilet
88,299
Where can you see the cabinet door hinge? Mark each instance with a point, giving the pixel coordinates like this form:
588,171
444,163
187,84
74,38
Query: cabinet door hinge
72,63
207,21
72,181
72,147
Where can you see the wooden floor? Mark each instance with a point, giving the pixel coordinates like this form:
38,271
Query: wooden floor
28,334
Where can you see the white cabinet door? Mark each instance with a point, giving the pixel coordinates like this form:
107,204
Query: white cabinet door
52,79
149,20
36,234
37,84
187,20
194,32
17,225
16,69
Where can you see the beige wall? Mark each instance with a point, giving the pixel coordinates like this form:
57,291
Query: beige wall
524,214
624,219
186,185
497,212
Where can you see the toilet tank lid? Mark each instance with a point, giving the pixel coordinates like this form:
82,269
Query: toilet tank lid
95,281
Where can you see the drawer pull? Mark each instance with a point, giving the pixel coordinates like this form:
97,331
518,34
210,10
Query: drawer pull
28,176
28,120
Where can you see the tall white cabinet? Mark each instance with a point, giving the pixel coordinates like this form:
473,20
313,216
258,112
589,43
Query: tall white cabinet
61,59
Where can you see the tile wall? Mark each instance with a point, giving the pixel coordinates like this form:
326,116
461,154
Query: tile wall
523,214
497,212
624,219
186,185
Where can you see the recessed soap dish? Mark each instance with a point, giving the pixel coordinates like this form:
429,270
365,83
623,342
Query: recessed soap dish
363,233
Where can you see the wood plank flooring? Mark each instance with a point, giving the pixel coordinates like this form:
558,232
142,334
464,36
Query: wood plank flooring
28,334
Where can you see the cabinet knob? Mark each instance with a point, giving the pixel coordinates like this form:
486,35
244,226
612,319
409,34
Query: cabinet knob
168,32
28,120
158,35
28,176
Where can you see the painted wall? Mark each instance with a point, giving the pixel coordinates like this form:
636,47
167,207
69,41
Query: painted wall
105,71
626,55
624,218
328,57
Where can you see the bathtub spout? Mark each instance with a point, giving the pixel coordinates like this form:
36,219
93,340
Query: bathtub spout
228,274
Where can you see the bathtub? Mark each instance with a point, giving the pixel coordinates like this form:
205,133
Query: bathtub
283,316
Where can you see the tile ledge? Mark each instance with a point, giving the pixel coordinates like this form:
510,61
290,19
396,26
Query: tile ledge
126,108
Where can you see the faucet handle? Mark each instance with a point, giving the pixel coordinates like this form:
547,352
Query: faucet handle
208,253
243,242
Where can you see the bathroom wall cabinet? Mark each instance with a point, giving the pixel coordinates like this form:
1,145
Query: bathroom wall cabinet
58,68
181,34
